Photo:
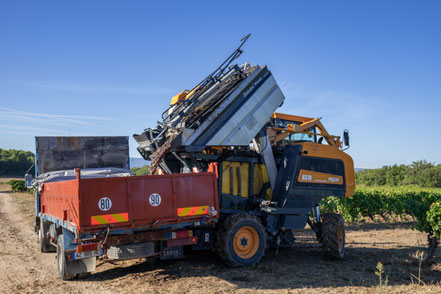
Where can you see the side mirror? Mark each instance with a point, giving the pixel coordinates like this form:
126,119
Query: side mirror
28,181
346,138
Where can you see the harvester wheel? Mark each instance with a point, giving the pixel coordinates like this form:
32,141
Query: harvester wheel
62,267
333,235
241,240
42,238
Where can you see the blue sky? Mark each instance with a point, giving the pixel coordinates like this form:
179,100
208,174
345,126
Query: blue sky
111,67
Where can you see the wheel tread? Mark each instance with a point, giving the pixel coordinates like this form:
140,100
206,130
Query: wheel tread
330,224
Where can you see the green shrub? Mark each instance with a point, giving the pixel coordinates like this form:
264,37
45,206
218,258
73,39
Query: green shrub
17,185
433,217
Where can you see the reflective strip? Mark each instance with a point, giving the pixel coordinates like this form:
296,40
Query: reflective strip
121,217
183,211
109,218
195,210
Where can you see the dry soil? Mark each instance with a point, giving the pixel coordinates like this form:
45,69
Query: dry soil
301,269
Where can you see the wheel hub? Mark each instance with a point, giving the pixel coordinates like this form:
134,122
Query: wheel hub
246,242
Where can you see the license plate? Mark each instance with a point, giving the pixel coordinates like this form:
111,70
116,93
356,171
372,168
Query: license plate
86,254
172,252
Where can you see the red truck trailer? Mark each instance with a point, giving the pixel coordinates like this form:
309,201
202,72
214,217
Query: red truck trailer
90,214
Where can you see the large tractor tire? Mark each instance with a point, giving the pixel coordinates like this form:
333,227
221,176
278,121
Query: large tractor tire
241,240
62,261
45,246
333,235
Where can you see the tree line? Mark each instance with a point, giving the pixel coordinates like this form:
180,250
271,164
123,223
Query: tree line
420,173
15,162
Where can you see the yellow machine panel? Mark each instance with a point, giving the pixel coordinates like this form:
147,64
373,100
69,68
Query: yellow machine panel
261,178
235,179
326,151
175,99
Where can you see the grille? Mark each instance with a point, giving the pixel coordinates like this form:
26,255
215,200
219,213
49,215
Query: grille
131,251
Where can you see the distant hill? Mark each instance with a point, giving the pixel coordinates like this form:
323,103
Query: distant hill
359,169
138,162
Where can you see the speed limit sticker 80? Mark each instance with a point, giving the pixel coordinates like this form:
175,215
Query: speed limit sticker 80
104,204
155,199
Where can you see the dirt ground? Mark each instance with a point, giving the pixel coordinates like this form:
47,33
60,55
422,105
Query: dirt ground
301,269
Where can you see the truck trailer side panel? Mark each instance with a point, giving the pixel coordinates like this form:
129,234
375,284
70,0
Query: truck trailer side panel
131,202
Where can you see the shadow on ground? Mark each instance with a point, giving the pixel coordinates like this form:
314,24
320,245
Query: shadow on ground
298,267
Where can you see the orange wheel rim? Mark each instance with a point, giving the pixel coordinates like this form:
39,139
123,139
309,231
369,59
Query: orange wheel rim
340,238
246,242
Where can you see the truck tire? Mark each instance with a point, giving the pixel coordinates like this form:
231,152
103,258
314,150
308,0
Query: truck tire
333,235
45,246
241,240
62,261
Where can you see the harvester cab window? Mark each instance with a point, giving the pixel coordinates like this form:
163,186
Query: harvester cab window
301,137
305,137
297,137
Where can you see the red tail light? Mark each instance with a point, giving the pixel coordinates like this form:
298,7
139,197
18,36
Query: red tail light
87,247
182,242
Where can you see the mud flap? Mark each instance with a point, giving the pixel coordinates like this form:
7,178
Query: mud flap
77,266
85,265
